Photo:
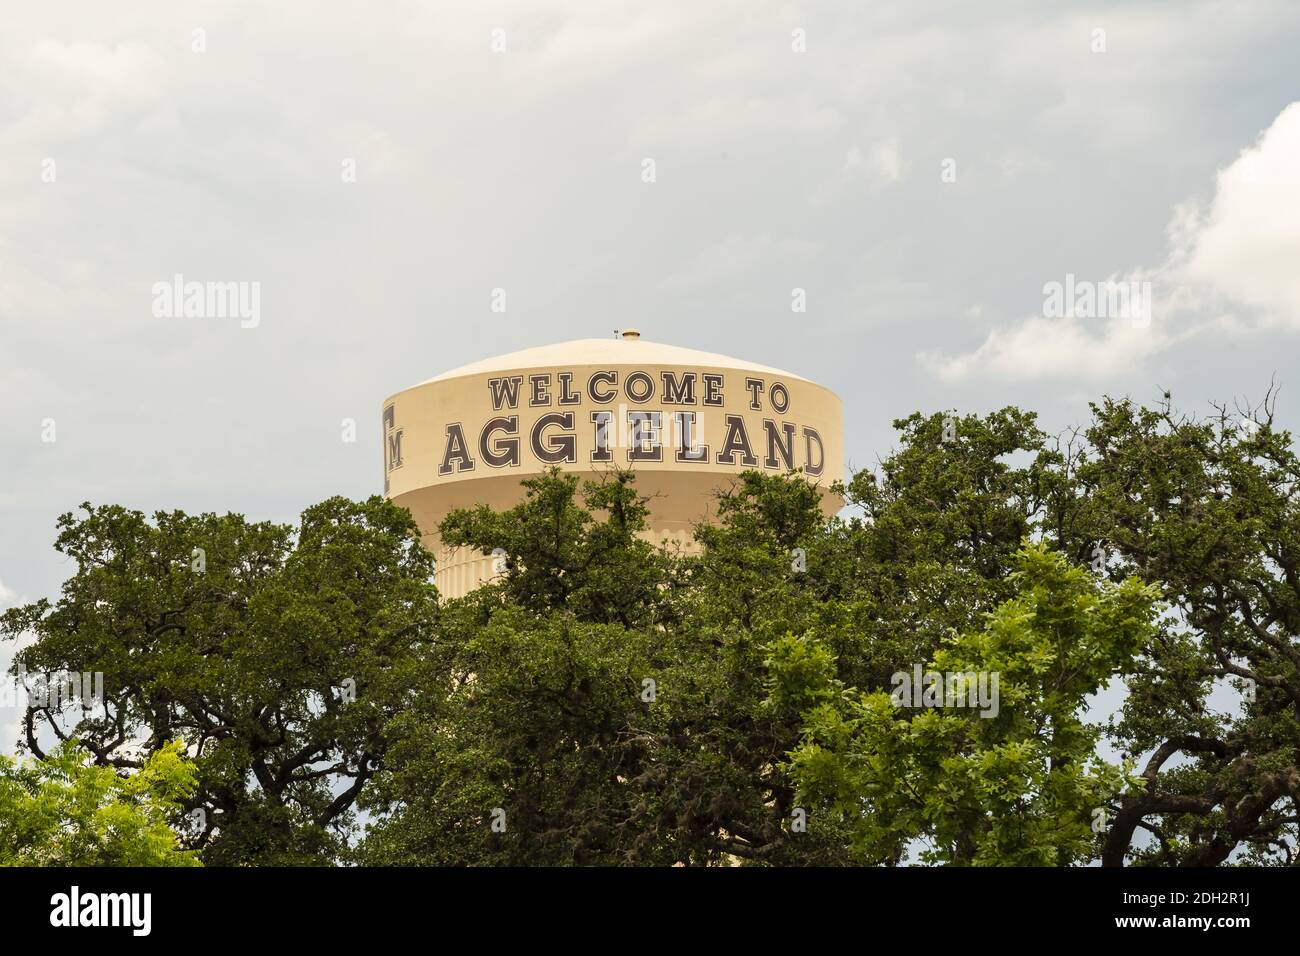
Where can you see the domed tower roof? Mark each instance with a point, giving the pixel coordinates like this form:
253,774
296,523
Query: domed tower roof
630,347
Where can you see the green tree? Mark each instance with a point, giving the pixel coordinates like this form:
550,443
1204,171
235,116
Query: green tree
528,736
278,653
533,694
1206,510
560,556
932,546
66,810
1016,782
607,701
590,699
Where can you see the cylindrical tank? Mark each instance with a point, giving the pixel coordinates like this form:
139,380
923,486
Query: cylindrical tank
686,421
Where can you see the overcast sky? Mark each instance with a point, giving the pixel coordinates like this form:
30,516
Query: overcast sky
794,146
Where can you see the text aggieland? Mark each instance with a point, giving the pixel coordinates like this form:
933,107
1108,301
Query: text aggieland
693,423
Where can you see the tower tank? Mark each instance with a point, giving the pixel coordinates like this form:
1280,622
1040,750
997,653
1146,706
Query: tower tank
687,422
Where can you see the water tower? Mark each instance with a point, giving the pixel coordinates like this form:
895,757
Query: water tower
687,422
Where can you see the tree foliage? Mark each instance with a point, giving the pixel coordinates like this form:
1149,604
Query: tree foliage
609,701
275,652
1014,783
1206,510
66,810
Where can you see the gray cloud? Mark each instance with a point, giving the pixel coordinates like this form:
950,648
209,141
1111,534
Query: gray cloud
521,170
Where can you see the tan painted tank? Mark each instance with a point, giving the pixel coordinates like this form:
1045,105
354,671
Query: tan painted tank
687,422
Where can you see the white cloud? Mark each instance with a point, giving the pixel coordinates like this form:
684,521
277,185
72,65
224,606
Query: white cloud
1247,248
1229,270
1052,348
